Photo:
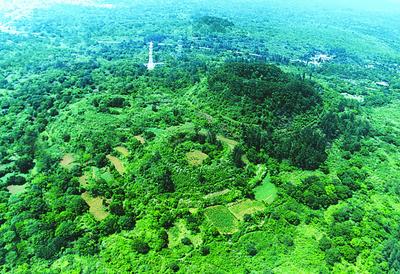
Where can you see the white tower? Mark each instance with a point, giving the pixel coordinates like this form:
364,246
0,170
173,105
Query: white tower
151,65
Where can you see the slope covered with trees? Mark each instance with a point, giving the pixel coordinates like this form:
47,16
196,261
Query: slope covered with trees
247,151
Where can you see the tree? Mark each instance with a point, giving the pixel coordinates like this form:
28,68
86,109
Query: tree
24,164
237,154
166,182
140,246
186,241
325,243
204,250
308,148
332,256
251,249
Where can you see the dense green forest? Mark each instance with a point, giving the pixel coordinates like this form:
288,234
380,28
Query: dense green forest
266,139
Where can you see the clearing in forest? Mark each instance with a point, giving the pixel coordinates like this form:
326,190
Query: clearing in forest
180,231
217,194
240,209
196,158
117,164
222,219
140,139
16,189
123,150
68,161
229,142
266,192
107,176
96,207
83,180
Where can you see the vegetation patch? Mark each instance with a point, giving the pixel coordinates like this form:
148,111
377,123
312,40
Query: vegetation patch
266,192
107,176
228,142
119,166
246,207
196,158
222,219
179,232
213,24
217,194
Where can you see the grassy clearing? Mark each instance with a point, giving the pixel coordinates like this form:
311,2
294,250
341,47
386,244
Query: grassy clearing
266,192
119,166
222,219
187,127
140,139
229,142
107,176
307,255
83,180
240,209
178,232
16,189
123,150
196,158
96,207
68,161
217,194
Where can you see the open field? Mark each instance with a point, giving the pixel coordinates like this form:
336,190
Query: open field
140,138
180,231
226,141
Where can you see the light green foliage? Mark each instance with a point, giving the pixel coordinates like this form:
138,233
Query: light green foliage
244,152
266,192
222,219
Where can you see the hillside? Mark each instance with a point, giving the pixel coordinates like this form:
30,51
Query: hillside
251,147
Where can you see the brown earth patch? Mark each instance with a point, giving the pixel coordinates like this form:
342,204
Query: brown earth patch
119,166
96,207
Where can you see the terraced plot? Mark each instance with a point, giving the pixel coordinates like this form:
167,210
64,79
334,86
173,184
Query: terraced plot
222,219
240,209
266,192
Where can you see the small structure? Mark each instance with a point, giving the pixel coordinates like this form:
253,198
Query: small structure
382,84
151,65
320,58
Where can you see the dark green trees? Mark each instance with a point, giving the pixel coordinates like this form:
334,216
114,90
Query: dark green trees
308,148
